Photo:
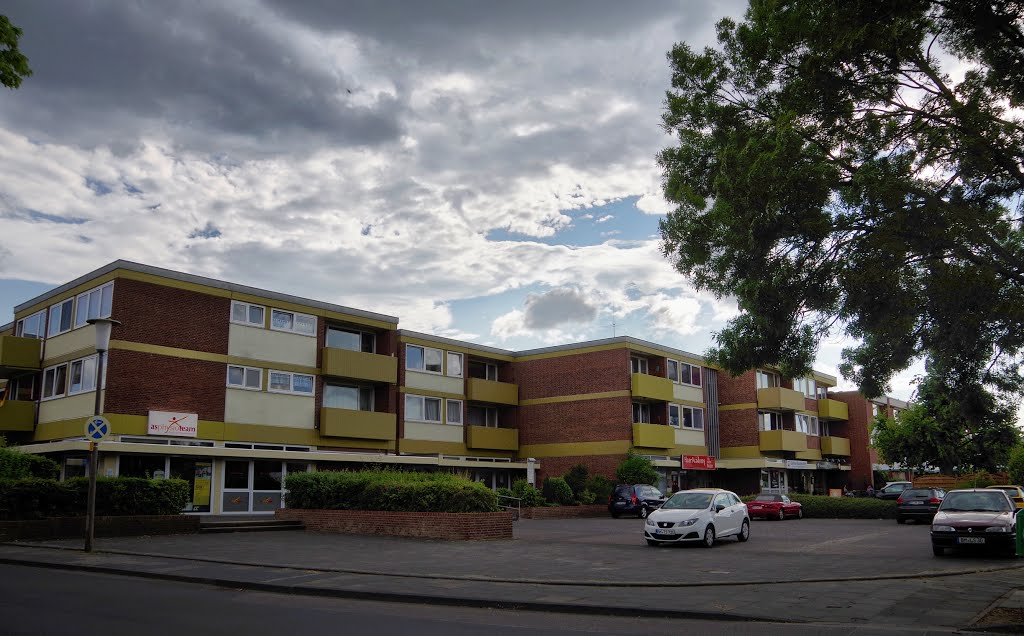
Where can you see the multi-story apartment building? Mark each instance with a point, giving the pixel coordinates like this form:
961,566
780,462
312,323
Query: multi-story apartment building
232,388
863,457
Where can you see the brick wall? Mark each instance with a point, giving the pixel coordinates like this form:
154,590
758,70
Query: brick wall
140,382
593,372
605,419
170,317
861,457
74,527
566,512
421,525
741,389
738,428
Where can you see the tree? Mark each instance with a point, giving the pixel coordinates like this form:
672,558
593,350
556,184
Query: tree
13,65
636,469
833,176
1015,465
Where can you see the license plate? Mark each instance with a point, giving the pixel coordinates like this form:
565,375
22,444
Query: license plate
970,540
916,503
620,503
755,507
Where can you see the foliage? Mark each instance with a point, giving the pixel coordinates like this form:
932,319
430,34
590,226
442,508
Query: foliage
601,486
391,490
13,65
576,477
831,175
1015,466
531,497
557,491
822,507
35,498
15,464
636,470
586,497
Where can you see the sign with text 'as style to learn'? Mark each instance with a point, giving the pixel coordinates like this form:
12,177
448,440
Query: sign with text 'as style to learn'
698,462
173,424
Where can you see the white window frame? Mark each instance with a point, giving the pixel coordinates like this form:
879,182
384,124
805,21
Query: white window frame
42,325
295,321
670,365
423,356
245,374
645,410
423,408
57,311
771,416
638,364
238,303
291,383
447,412
693,418
679,415
691,369
86,387
448,364
82,312
767,379
807,386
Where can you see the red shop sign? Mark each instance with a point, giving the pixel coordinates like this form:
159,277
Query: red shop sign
698,462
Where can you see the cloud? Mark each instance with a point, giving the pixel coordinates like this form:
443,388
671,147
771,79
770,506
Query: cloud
556,307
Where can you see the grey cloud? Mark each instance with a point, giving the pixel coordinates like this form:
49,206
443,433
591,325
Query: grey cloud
208,232
556,307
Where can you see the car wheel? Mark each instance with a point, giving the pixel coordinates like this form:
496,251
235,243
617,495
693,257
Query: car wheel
652,543
937,551
800,513
744,531
709,536
900,520
782,514
644,512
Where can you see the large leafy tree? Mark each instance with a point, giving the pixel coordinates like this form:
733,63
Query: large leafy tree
13,65
856,166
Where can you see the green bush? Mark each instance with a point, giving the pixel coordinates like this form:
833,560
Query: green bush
15,464
35,498
1016,465
389,490
822,507
531,497
601,486
587,498
576,477
636,470
558,492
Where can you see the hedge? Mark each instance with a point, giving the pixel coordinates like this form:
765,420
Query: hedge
822,507
18,465
389,490
33,498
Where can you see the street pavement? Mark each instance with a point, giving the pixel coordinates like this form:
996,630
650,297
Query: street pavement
801,571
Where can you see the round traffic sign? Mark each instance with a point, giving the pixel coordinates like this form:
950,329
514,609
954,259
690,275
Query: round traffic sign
97,428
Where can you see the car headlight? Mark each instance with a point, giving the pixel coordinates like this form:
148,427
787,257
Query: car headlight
997,529
688,522
942,528
651,522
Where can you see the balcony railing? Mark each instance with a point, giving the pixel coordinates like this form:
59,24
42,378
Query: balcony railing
833,410
783,441
357,424
356,365
654,435
18,354
780,399
651,387
17,415
492,392
490,438
835,446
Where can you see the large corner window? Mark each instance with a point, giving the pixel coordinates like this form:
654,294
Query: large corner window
419,408
33,326
70,378
247,314
352,398
425,359
350,339
293,322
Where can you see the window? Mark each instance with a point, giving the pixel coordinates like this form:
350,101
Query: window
95,303
483,416
824,428
766,380
287,382
689,374
673,415
693,418
422,409
245,377
247,314
807,424
281,320
351,339
805,386
641,413
32,326
454,413
822,392
769,421
21,389
82,375
454,364
637,365
875,410
352,398
60,317
673,370
483,370
425,359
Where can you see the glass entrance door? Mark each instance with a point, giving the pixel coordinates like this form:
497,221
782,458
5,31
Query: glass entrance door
256,485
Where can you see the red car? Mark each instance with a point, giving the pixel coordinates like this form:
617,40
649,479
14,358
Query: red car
774,507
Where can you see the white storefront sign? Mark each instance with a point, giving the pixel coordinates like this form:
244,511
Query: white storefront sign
796,463
173,424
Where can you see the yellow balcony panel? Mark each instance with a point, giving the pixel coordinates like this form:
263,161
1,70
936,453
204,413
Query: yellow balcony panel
357,365
18,355
17,416
651,387
783,441
833,410
490,438
478,390
654,436
811,454
835,446
780,399
357,424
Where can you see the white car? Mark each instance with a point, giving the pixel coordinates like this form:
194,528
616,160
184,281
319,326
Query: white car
698,515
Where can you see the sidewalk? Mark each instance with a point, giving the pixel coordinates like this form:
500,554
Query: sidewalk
518,575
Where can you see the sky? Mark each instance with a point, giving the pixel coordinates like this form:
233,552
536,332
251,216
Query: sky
483,171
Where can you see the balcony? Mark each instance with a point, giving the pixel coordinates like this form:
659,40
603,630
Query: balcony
356,365
490,438
651,387
357,424
835,446
654,436
17,416
18,355
492,392
784,440
833,410
780,399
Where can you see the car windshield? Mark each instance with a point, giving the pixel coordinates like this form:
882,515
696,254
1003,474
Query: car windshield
688,501
767,498
974,502
916,493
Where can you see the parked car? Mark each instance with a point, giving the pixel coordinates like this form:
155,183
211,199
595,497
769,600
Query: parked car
774,507
638,499
918,503
703,515
892,489
1016,494
974,518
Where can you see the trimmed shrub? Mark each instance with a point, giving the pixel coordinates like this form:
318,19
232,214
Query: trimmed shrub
15,464
576,477
636,470
586,498
35,498
530,496
1016,465
558,492
390,490
601,486
822,507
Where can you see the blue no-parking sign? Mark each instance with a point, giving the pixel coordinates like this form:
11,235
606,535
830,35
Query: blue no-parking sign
97,428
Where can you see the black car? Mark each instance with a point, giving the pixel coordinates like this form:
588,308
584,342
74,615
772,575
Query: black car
893,489
638,499
918,503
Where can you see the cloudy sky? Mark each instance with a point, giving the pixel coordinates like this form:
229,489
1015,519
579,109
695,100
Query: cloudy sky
484,171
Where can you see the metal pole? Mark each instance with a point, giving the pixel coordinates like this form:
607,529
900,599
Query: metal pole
94,454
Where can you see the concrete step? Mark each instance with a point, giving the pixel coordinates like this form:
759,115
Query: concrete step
249,525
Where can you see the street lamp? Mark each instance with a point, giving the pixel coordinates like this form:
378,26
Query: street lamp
103,327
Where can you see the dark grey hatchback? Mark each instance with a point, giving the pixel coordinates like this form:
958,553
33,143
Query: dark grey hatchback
638,499
918,503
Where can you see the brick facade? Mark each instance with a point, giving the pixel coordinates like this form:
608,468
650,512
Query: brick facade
738,428
421,525
574,374
140,382
604,465
857,430
170,317
601,420
741,389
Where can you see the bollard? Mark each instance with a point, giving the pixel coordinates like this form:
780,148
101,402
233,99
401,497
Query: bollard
1020,532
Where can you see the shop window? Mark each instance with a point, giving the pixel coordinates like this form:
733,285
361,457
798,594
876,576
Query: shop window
236,474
